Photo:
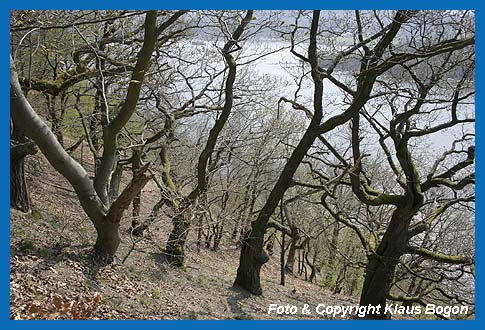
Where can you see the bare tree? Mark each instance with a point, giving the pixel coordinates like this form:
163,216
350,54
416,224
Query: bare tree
176,242
93,194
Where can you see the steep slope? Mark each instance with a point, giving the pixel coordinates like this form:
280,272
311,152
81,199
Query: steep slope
52,275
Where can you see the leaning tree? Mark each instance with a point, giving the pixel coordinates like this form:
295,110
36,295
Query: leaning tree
423,100
377,54
93,194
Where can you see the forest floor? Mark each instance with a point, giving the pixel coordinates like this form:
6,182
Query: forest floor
53,277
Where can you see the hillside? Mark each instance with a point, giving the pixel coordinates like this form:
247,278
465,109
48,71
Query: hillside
344,139
52,275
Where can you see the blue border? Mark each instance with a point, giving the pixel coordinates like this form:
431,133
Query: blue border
242,4
6,5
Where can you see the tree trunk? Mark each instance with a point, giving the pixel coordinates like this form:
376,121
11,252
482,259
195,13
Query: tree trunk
20,147
175,249
290,262
251,262
332,256
220,223
199,232
136,227
254,253
340,278
114,186
381,266
107,241
19,195
312,265
107,229
56,122
178,236
218,236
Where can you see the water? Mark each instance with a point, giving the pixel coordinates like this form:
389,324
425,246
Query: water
280,64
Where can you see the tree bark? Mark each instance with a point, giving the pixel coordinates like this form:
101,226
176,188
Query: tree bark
20,147
136,227
290,262
175,249
19,195
313,266
381,265
114,186
56,120
107,241
251,262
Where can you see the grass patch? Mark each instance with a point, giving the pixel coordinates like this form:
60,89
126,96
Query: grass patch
156,294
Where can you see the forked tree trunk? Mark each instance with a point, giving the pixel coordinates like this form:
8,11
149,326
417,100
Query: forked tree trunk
107,228
381,266
93,195
199,232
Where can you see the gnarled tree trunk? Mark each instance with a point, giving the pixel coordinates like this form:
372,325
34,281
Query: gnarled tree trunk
175,249
381,266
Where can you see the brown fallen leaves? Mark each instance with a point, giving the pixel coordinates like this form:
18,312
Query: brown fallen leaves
60,307
37,291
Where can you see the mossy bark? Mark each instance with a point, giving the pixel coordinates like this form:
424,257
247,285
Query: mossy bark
381,265
175,249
